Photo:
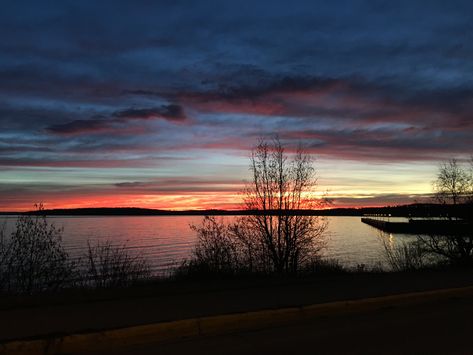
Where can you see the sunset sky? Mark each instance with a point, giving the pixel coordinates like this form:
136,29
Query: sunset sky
158,103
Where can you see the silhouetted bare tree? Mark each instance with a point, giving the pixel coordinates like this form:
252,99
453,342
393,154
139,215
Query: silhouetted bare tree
454,183
274,237
281,185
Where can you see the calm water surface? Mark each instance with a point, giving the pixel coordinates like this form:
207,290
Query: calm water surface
167,240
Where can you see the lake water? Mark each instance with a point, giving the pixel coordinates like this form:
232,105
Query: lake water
166,240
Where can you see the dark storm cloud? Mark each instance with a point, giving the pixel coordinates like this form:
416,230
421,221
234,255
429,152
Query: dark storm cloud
118,123
457,100
170,112
79,126
147,45
383,144
260,84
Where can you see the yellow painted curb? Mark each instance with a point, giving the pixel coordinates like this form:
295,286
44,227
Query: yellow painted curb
214,325
102,340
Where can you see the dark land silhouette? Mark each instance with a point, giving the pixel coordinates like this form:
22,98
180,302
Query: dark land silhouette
409,210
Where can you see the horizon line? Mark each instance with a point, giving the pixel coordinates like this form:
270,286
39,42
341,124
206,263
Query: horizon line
197,211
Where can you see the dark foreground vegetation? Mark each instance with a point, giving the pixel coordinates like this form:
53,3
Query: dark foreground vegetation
33,260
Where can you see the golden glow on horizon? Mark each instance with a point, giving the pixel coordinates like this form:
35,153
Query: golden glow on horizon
348,184
203,201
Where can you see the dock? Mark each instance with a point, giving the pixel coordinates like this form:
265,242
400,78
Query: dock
422,226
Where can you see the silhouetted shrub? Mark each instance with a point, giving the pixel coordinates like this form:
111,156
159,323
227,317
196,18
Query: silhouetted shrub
456,250
323,266
404,256
4,249
215,250
107,265
33,258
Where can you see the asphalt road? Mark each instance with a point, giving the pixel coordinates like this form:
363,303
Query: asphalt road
41,316
434,327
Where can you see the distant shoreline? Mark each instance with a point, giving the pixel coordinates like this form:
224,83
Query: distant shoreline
151,212
413,210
